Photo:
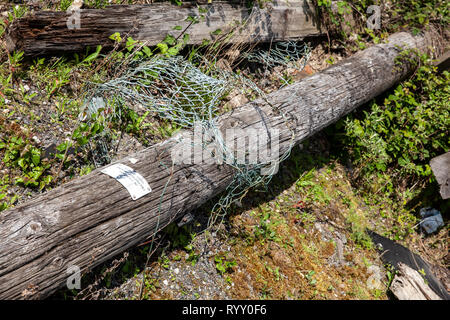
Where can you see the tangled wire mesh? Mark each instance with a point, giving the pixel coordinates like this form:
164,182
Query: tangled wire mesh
176,90
288,54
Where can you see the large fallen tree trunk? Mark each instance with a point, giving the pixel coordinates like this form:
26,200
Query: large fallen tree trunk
92,218
47,32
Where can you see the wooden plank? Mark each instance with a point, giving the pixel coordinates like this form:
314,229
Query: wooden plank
440,166
47,32
408,284
91,219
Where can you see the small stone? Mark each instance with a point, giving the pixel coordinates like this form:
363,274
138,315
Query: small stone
176,270
36,139
373,269
374,282
166,283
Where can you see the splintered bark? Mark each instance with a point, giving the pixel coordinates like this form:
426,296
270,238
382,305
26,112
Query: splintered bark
408,284
92,218
47,32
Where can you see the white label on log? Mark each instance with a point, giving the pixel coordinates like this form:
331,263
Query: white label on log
136,185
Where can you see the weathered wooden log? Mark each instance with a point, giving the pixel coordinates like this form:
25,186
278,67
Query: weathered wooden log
47,32
91,219
441,169
408,284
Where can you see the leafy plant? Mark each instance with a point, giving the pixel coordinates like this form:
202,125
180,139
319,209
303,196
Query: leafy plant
223,264
403,133
407,14
137,50
310,277
97,4
21,154
87,130
265,230
18,12
65,4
